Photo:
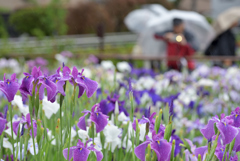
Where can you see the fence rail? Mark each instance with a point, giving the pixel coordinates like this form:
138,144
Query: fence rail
162,58
130,57
69,42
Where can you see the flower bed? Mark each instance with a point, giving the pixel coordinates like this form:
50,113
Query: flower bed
103,112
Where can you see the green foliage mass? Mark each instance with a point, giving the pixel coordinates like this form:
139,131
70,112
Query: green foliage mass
3,31
40,21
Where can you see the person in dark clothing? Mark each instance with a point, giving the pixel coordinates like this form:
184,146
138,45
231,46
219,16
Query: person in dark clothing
223,45
180,42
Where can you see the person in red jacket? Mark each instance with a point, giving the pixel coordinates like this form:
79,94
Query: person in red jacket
180,43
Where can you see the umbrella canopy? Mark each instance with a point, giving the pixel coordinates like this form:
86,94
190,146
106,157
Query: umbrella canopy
137,20
226,19
194,23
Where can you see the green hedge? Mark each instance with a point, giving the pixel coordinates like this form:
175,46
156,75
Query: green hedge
3,31
40,21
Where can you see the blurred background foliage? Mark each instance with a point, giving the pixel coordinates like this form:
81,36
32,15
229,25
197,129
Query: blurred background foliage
40,21
56,18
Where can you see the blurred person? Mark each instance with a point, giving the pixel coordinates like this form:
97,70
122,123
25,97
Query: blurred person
180,42
223,45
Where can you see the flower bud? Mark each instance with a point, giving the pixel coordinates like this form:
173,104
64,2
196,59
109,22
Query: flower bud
116,111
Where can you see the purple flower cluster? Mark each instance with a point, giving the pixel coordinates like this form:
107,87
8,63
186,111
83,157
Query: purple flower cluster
37,82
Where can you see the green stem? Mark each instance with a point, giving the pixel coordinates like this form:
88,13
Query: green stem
33,134
69,144
21,142
25,145
225,152
32,101
1,145
131,100
93,131
231,147
133,155
61,103
211,154
11,116
70,118
18,135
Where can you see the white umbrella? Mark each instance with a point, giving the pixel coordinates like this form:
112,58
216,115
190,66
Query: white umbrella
156,8
226,19
194,23
137,20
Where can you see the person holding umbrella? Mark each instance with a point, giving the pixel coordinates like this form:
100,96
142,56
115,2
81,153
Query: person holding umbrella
180,42
224,43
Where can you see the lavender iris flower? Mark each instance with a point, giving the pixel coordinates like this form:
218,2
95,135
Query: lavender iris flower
60,79
81,152
2,125
227,131
142,71
9,87
178,141
155,97
37,77
234,158
108,105
144,120
195,151
220,152
235,116
3,121
236,147
161,147
84,83
26,122
170,100
96,116
93,59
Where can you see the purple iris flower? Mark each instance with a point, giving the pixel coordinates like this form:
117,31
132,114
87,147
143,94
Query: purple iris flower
234,158
235,116
178,141
26,121
236,147
195,151
155,97
142,72
8,158
227,131
81,152
84,83
59,78
174,76
3,121
136,94
37,77
202,92
170,99
192,105
9,87
96,116
161,147
93,59
147,112
220,152
144,120
108,105
98,92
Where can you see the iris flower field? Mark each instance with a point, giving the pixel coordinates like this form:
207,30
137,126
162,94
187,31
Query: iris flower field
87,111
